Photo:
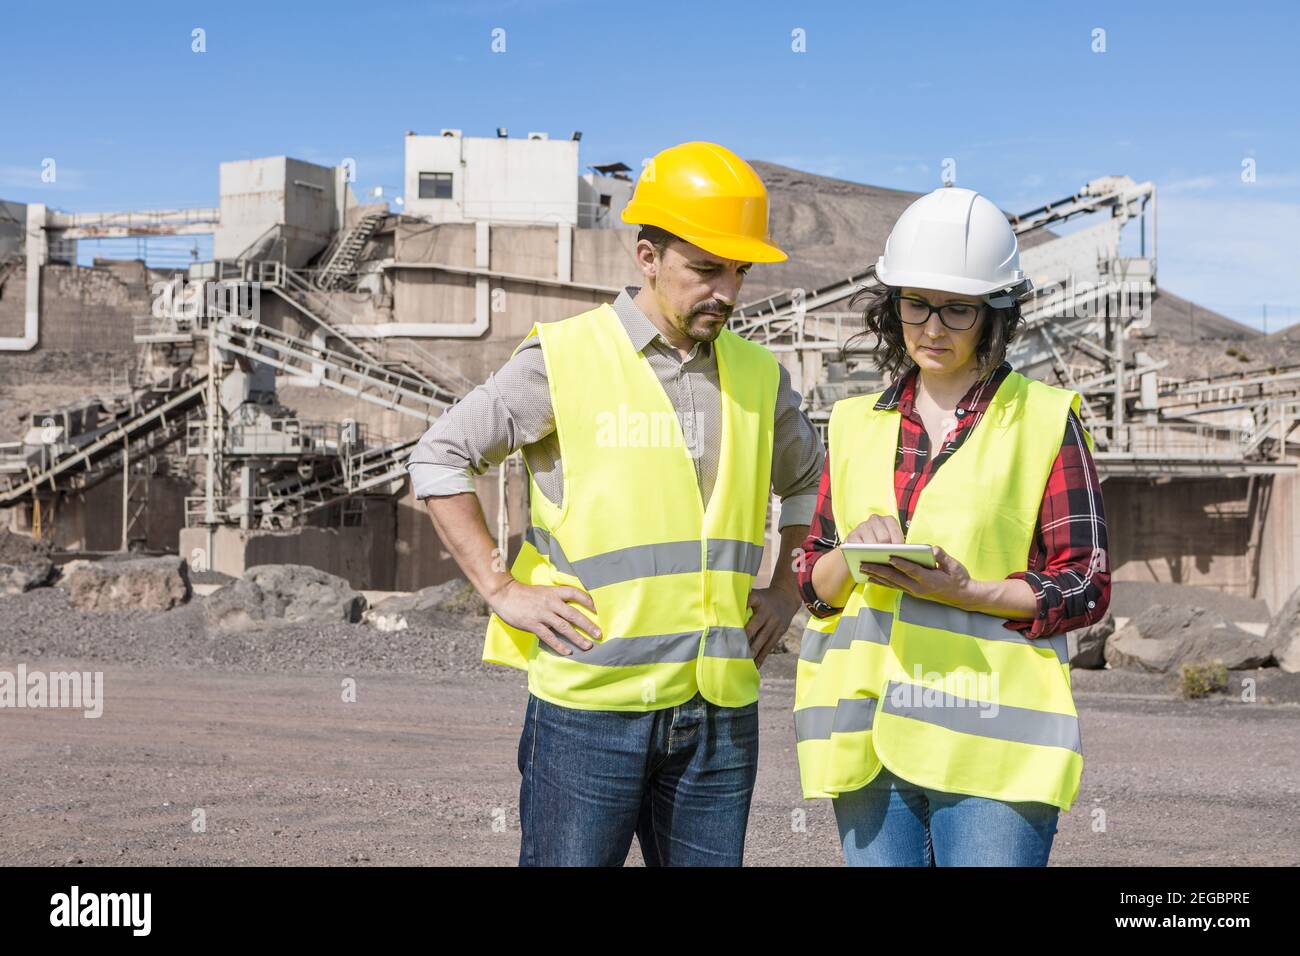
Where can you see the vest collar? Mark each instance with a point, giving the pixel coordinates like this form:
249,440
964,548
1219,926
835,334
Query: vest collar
901,394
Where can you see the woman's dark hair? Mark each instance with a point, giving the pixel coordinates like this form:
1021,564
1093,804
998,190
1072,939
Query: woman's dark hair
880,318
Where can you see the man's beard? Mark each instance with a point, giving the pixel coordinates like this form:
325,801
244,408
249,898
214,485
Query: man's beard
708,334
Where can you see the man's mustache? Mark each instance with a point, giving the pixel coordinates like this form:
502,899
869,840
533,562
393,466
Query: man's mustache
712,306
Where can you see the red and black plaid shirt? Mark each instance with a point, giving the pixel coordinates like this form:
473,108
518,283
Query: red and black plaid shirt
1068,566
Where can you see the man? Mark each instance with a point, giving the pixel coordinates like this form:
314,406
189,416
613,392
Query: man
653,438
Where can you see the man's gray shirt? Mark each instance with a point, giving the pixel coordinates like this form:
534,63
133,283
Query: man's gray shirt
512,410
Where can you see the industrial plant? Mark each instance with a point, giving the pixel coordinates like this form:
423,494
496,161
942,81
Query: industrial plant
258,408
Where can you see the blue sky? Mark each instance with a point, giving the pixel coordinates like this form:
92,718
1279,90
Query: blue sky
1013,92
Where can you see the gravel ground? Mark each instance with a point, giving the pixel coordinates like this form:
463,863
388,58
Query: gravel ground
41,624
252,730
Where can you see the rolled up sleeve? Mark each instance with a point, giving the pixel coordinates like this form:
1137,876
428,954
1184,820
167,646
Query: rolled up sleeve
511,409
797,456
1069,563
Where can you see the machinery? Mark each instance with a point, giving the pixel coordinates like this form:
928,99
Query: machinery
1089,311
202,403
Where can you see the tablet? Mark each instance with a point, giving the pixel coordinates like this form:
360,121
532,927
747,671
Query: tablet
855,554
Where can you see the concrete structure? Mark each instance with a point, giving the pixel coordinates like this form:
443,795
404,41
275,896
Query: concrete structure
289,207
360,552
602,194
13,223
455,178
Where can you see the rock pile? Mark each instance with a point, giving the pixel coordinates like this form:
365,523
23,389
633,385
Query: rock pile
24,563
1163,638
290,593
429,606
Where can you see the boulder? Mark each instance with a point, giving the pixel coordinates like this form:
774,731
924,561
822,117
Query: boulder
24,563
151,584
429,606
283,593
17,578
240,605
1162,638
1088,644
1283,635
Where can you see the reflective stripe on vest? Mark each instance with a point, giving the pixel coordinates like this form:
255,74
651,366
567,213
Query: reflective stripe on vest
846,717
727,642
980,718
648,560
869,624
969,705
670,579
944,617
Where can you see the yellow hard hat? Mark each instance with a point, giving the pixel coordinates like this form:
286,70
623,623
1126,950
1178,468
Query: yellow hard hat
706,194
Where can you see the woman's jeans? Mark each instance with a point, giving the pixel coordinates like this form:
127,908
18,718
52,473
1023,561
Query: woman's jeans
680,779
891,822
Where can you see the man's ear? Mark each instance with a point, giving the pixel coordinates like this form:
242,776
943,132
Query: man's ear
647,258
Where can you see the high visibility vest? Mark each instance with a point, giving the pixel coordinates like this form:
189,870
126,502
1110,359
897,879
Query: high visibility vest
670,579
945,698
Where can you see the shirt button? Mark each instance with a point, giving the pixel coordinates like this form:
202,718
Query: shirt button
961,412
1092,604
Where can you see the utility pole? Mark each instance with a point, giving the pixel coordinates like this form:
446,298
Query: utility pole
126,490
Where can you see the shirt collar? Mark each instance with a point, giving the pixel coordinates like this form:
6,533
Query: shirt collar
640,329
902,392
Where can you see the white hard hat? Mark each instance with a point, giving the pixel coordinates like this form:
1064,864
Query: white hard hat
955,240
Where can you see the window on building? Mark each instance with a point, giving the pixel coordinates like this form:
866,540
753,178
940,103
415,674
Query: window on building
435,185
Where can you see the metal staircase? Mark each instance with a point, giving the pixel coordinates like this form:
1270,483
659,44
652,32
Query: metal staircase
340,261
405,359
350,373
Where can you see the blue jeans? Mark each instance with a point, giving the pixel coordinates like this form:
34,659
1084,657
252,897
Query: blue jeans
891,822
680,779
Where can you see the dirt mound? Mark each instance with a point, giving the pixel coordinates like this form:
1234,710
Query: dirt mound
1131,598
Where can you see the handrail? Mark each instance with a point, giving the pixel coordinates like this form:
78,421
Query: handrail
250,341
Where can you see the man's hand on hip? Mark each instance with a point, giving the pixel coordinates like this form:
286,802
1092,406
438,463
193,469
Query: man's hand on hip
544,610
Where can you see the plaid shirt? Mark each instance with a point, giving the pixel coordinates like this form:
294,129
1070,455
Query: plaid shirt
1068,566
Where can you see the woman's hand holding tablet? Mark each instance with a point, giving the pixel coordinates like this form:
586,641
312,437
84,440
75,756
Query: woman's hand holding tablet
855,554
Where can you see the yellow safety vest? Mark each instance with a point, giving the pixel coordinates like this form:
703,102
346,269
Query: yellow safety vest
670,579
945,698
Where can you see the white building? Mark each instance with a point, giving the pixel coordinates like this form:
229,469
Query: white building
602,194
455,178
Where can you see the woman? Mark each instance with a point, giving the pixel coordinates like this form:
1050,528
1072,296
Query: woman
933,705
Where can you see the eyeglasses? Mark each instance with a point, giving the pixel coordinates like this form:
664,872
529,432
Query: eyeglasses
958,316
